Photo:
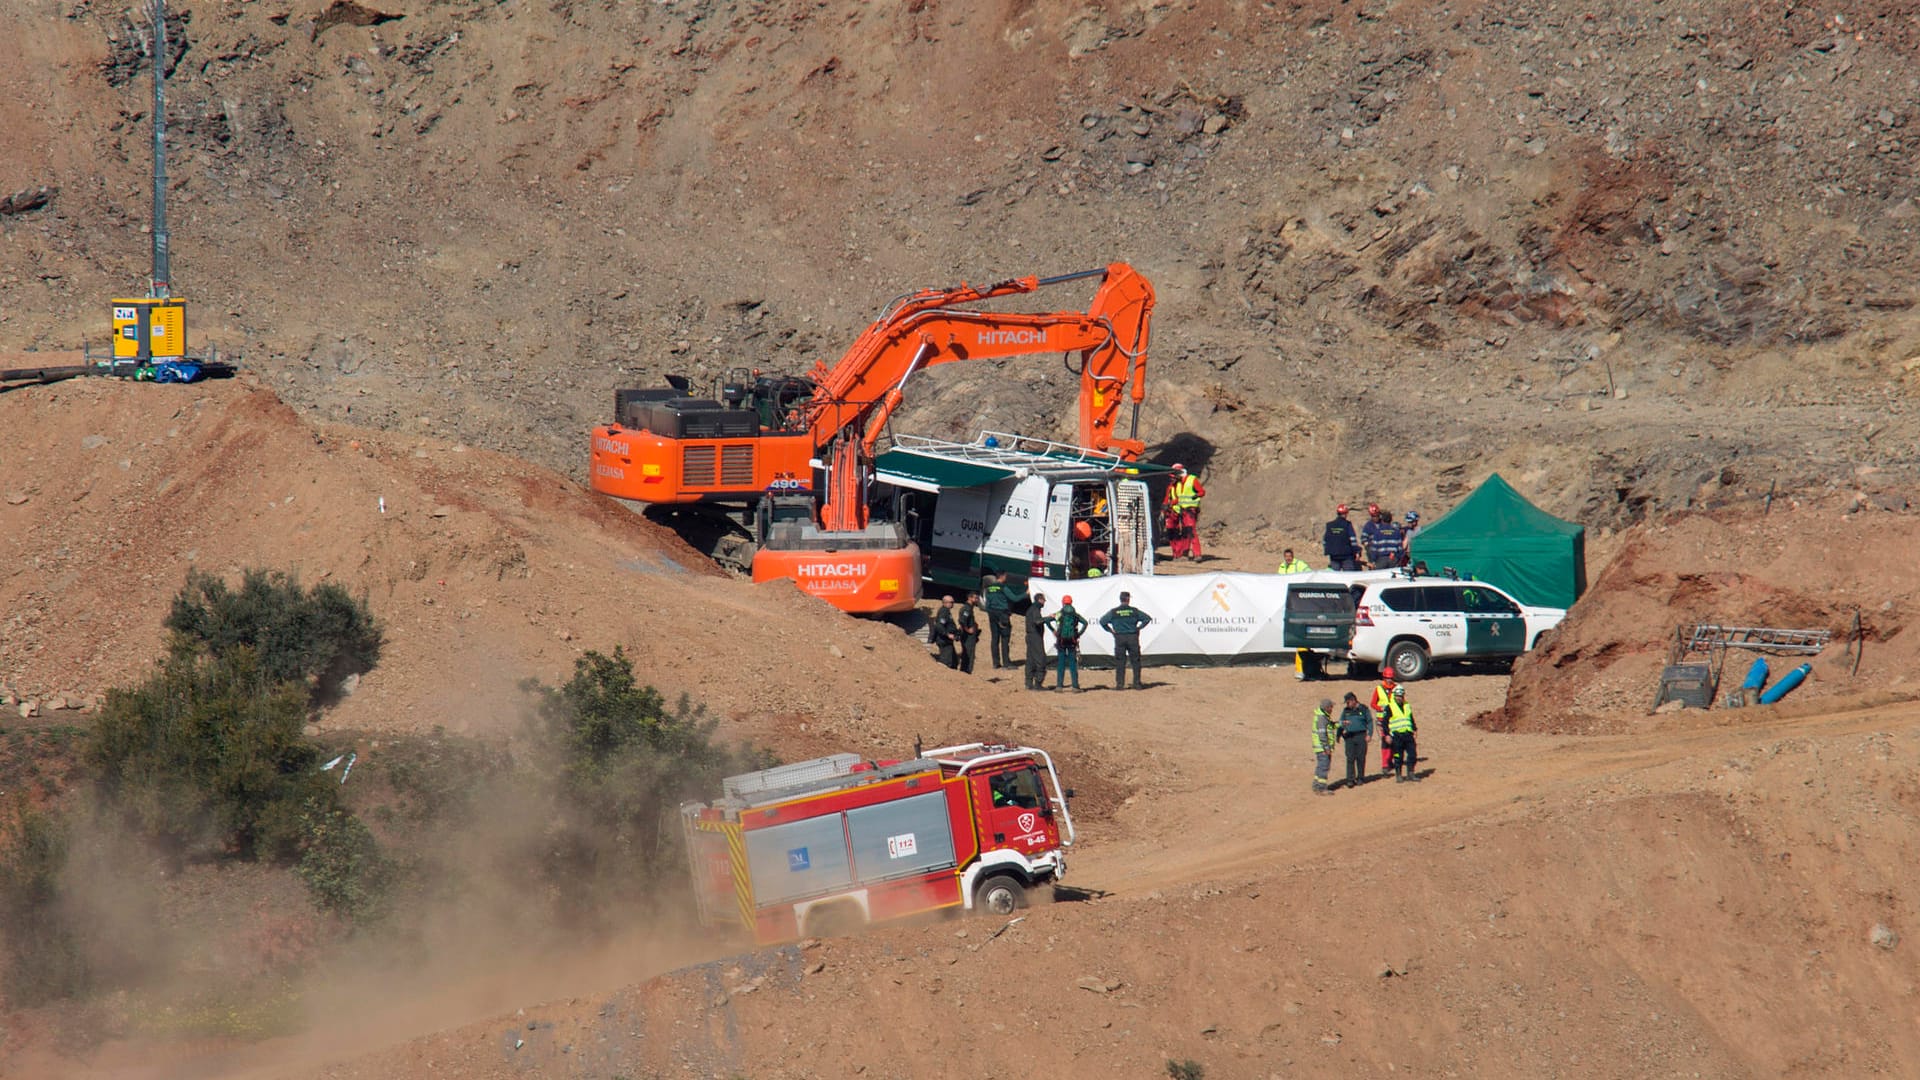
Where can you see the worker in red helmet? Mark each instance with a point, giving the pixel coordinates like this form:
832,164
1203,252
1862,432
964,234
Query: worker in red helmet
1068,624
1370,536
1338,540
1381,703
1182,512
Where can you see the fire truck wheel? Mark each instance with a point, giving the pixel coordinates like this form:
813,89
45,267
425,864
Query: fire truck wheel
1001,894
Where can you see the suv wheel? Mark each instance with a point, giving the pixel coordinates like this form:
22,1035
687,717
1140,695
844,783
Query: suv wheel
1409,661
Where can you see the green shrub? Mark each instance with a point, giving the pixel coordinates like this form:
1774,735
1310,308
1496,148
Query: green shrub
1186,1070
45,959
209,754
438,778
317,636
210,751
624,763
343,867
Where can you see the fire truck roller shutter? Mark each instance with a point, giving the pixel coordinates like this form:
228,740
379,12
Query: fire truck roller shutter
798,859
896,839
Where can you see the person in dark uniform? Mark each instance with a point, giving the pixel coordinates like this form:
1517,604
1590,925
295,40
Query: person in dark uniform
1125,622
1340,543
1037,643
999,604
1356,722
945,633
969,633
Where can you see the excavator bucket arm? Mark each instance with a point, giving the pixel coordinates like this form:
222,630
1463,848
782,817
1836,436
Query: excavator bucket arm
861,392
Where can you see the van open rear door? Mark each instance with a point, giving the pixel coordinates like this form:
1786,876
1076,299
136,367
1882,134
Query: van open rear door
1054,550
1132,528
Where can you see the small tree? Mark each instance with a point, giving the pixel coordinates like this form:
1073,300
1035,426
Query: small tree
209,750
315,636
624,763
343,866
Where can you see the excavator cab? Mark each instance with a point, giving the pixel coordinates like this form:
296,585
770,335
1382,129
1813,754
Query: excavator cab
780,519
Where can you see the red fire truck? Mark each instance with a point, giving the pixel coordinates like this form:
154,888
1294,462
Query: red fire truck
824,846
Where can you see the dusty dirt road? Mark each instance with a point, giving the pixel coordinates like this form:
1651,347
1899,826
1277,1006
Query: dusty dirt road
1652,902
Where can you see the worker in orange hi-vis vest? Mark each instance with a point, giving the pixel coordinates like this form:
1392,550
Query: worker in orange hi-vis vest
1184,492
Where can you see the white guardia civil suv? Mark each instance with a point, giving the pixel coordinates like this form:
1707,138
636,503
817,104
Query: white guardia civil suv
1408,623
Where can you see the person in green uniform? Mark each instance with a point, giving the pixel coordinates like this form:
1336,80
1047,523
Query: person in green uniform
1356,723
1037,642
999,601
1124,622
967,629
944,633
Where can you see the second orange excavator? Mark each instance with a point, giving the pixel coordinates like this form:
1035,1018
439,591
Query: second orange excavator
797,453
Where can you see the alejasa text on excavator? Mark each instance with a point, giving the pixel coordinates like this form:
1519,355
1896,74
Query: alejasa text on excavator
788,460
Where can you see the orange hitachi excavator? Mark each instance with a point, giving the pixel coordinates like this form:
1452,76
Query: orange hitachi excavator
799,452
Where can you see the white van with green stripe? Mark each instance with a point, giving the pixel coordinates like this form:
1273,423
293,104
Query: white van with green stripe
1032,508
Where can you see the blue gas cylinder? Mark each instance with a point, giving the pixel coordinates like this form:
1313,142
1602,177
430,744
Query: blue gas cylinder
1787,684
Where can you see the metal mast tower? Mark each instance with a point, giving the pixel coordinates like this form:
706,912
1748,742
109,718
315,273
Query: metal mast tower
157,10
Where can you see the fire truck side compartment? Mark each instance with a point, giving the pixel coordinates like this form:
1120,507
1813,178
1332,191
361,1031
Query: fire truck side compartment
798,859
901,838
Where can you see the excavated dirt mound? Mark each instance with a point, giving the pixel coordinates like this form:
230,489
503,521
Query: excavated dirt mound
485,571
1812,567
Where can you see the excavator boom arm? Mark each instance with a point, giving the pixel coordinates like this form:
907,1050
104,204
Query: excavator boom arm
859,394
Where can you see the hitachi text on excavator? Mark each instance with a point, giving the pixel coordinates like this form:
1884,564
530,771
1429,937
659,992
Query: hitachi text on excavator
790,459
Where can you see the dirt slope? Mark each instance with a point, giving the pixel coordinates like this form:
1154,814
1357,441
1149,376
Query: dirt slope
484,569
1606,906
1648,900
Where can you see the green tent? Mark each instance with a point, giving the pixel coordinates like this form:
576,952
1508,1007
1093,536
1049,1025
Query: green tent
1497,536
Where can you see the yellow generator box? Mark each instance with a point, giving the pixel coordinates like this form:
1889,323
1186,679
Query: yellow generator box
150,328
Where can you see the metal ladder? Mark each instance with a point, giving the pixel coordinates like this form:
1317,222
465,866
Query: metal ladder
1707,636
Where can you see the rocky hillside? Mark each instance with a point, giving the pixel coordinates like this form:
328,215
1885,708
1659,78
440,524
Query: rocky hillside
1633,257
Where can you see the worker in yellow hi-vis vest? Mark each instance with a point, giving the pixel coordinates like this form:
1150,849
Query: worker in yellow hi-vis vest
1400,729
1182,512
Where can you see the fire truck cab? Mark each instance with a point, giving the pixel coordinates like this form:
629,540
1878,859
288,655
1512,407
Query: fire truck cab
826,846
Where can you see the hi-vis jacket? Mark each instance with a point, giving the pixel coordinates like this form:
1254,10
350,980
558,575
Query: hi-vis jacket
1324,732
1186,492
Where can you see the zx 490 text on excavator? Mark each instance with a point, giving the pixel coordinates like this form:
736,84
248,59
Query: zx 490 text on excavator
794,456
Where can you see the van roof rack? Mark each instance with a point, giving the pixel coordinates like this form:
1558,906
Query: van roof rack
1021,453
